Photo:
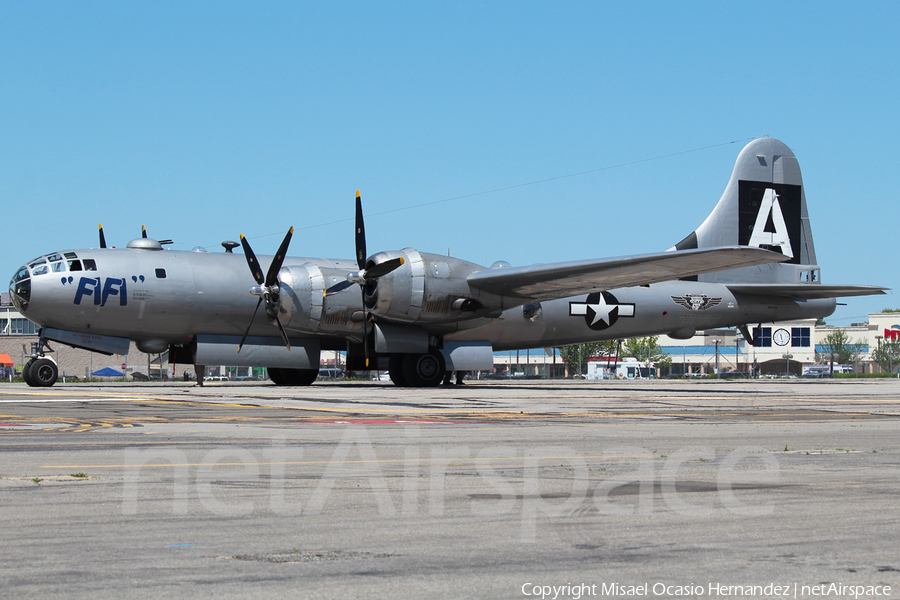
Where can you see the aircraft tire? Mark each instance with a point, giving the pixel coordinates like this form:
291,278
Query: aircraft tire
26,373
299,376
276,376
395,370
424,370
44,372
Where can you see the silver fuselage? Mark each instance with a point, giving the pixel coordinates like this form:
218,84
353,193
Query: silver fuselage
172,296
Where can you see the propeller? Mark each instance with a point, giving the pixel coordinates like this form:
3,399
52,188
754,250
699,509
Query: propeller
267,288
364,275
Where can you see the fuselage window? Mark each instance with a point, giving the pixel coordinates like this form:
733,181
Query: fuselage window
160,273
74,265
90,265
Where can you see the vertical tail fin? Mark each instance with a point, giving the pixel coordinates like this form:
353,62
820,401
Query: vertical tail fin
764,205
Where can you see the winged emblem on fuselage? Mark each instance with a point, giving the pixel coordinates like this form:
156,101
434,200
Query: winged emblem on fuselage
696,301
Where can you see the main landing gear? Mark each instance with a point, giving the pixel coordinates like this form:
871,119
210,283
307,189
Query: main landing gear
281,376
417,370
406,370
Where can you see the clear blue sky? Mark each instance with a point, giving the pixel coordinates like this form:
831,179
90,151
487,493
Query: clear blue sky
206,120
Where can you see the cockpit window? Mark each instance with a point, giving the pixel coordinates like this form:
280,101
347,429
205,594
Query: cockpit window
90,265
70,255
58,267
37,262
21,274
74,265
54,257
40,270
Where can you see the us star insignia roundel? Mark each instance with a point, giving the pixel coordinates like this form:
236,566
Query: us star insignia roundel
696,301
600,310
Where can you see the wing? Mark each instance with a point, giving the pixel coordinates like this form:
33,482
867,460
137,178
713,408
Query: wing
807,291
559,280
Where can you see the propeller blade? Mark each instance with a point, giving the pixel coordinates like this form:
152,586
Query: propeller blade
250,324
102,237
283,332
272,275
251,260
382,269
338,287
360,234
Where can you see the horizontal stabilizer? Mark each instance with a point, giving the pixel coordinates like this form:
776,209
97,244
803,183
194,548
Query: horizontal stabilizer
560,280
806,291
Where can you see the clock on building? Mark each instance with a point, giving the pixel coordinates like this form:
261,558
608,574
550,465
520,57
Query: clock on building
781,337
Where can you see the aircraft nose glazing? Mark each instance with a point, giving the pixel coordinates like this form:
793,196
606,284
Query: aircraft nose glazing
20,289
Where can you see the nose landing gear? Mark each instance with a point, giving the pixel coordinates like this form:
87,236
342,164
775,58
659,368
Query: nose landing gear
40,370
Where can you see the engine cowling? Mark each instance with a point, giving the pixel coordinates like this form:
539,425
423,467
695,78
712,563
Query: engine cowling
304,306
428,288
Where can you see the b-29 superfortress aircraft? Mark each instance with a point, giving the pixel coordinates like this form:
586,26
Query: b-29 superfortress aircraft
420,315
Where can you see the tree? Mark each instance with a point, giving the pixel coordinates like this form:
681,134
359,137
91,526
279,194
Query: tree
887,356
577,355
647,348
838,347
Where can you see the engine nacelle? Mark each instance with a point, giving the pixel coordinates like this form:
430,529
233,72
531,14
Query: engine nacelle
428,288
304,306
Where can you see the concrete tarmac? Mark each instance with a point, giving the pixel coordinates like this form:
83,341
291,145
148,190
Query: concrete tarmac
506,489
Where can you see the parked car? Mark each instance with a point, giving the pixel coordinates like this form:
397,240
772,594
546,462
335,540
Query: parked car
734,375
331,374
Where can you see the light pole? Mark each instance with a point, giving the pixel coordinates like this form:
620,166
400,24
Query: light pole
787,364
878,339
